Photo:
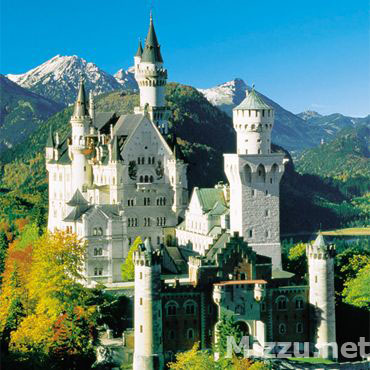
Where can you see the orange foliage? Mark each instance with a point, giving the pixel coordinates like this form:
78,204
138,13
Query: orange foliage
20,223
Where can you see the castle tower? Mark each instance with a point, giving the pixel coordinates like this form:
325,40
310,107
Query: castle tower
81,123
322,296
254,174
148,309
50,146
152,78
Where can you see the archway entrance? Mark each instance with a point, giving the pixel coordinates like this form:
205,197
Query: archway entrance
243,328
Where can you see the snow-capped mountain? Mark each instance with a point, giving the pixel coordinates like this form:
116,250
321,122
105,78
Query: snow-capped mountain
58,78
290,131
309,114
127,79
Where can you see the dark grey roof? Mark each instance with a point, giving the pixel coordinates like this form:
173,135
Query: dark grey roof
178,259
110,210
76,213
127,124
81,104
152,51
77,199
50,141
102,118
139,50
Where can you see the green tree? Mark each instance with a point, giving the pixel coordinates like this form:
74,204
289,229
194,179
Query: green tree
3,251
193,360
128,267
357,290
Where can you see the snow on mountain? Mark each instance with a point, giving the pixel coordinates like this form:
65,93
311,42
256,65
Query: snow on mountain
127,78
308,114
58,78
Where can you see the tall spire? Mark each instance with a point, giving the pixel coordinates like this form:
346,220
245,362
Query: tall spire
152,51
50,141
80,105
139,52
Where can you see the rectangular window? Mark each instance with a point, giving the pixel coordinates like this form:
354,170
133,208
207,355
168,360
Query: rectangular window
250,233
141,328
141,301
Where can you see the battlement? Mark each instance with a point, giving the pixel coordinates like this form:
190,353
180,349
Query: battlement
323,252
145,256
154,72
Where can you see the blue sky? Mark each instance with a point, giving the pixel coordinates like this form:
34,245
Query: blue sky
304,54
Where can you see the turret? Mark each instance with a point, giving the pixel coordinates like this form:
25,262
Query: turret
50,145
148,309
91,106
81,124
253,121
152,79
138,55
254,174
322,296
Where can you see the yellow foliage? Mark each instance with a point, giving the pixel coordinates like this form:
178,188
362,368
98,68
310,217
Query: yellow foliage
297,251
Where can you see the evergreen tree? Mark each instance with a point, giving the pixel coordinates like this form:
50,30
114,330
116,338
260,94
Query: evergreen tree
128,268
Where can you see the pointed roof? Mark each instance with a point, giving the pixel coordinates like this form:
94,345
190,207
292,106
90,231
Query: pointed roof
139,52
208,197
148,245
152,51
253,101
319,243
81,104
50,141
116,151
77,199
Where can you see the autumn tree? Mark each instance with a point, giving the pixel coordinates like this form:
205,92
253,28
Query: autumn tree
128,267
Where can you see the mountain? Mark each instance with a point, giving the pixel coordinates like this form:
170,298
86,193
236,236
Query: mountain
329,126
21,111
127,79
23,180
289,131
346,156
58,79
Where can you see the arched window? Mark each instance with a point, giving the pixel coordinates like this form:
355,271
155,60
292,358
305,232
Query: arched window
274,173
242,276
100,231
171,308
95,251
95,231
281,303
190,333
141,179
146,179
261,173
299,327
247,173
299,303
100,251
171,334
190,307
151,179
282,329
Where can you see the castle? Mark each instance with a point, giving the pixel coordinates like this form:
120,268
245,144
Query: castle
116,177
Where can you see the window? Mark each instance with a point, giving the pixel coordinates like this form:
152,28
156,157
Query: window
141,328
253,192
190,307
141,301
250,233
190,334
282,329
95,231
299,303
171,334
242,276
129,241
266,192
100,231
316,279
171,308
158,240
267,233
299,327
267,213
141,275
281,303
130,202
146,221
146,201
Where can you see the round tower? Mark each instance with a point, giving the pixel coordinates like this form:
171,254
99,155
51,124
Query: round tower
254,174
253,120
80,122
148,353
322,296
151,77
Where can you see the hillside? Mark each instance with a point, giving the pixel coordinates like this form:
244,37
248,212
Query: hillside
332,124
346,156
204,133
21,111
